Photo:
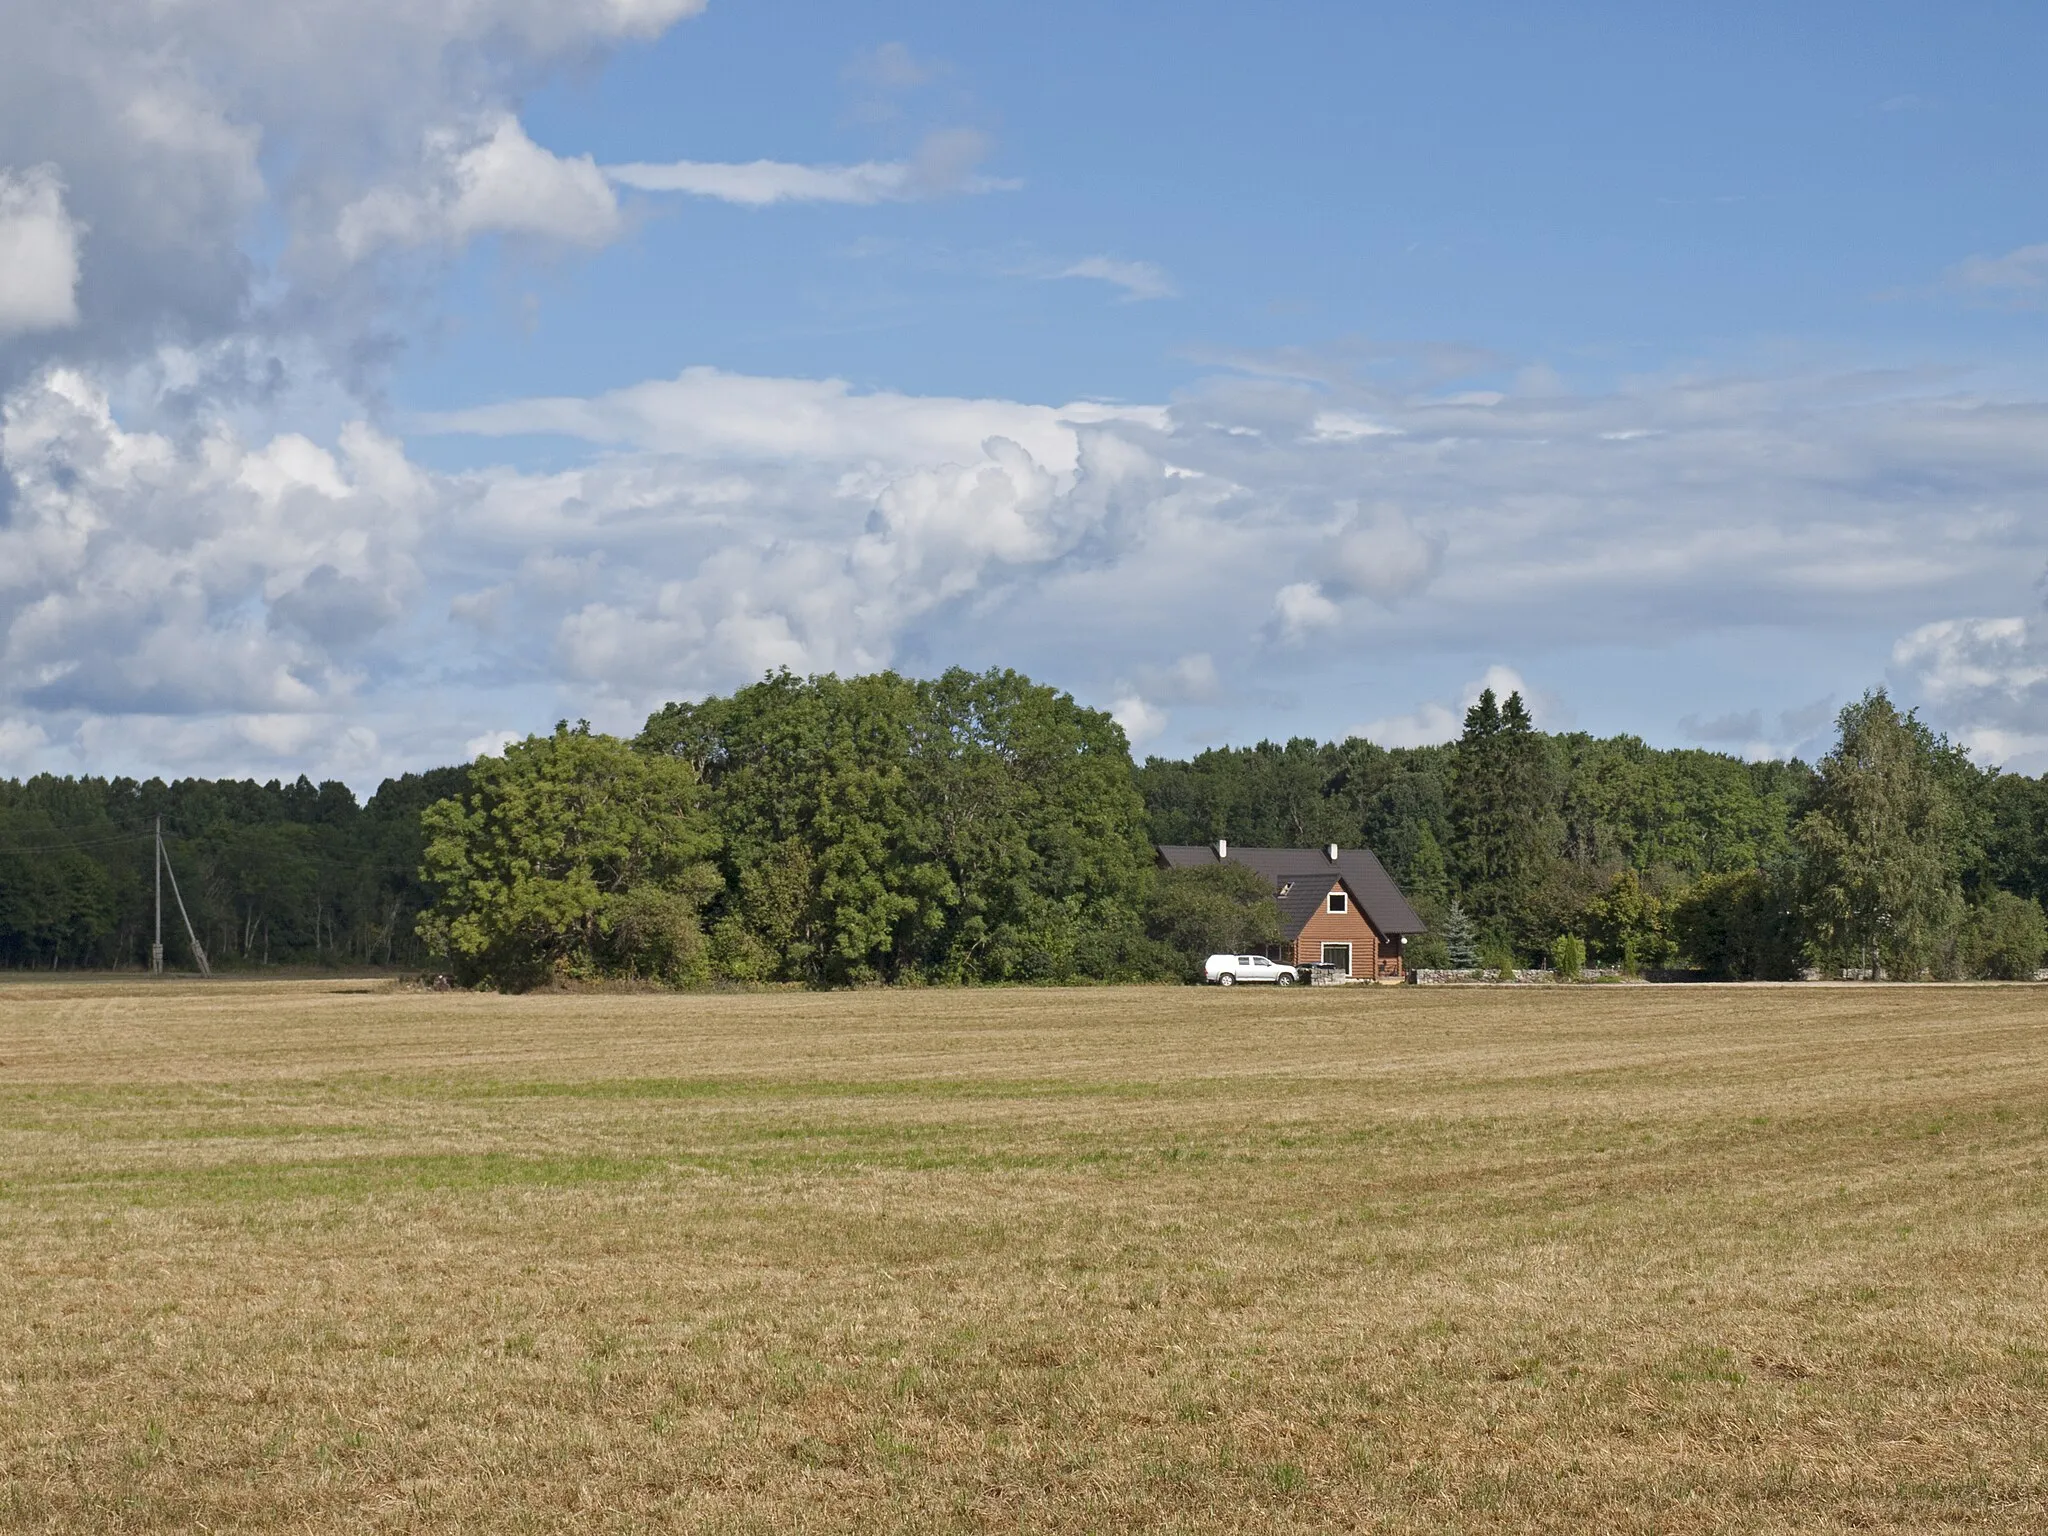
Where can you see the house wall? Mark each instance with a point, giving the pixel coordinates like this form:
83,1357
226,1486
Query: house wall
1347,927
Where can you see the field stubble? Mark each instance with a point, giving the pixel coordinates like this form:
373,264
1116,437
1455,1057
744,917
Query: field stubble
326,1256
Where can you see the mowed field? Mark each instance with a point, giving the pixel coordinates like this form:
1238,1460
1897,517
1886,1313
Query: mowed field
329,1256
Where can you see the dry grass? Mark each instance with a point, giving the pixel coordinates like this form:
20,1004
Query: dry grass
306,1257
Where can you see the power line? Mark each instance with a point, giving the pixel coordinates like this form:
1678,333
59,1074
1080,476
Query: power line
96,842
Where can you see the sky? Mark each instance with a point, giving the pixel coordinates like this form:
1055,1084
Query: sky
383,380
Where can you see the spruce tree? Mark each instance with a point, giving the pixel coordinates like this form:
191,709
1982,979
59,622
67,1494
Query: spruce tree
1500,812
1460,940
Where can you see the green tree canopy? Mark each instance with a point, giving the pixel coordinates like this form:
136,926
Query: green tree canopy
1210,909
970,827
1882,888
571,855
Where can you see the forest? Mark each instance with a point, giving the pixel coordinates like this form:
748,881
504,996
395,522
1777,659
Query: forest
984,828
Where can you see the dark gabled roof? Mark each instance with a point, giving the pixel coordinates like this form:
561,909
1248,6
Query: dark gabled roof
1307,874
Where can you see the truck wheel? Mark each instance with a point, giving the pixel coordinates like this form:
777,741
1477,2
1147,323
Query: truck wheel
1284,979
1226,980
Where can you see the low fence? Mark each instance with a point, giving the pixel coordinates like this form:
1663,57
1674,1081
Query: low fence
1484,977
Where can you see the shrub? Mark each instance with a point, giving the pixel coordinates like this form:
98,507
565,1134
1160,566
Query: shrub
1739,926
1195,913
1499,958
1568,956
1429,952
2004,938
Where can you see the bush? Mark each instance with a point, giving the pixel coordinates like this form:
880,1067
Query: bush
1428,952
1204,911
2004,938
1499,958
1568,956
1739,926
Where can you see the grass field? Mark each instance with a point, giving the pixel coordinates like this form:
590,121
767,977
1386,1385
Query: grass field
327,1256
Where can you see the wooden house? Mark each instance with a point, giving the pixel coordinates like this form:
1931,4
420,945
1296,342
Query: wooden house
1338,906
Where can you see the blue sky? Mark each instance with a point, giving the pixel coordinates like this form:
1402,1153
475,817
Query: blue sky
410,376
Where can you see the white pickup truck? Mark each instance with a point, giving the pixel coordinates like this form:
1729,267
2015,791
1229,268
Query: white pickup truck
1229,970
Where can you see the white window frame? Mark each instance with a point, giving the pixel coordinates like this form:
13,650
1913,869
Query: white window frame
1336,903
1330,944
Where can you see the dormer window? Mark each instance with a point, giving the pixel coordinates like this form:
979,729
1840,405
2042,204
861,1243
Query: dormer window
1338,902
1284,889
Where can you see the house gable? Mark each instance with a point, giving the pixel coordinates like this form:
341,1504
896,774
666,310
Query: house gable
1320,926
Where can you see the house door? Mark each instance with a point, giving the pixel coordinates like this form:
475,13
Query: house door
1338,955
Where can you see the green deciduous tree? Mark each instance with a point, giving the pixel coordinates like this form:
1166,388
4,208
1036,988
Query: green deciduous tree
571,856
1739,926
1882,889
1208,910
974,827
2005,938
1629,924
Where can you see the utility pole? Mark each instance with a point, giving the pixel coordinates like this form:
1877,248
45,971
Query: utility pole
164,862
156,949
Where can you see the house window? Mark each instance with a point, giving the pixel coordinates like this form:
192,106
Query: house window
1337,902
1338,955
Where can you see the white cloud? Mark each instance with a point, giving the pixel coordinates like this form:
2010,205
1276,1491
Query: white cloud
1142,722
944,165
1139,280
1346,427
492,179
38,253
2022,273
1301,610
219,583
213,151
1986,680
1434,722
140,574
1383,555
490,744
21,744
709,413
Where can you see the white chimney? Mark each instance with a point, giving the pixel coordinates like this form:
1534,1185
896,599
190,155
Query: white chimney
1222,847
1331,850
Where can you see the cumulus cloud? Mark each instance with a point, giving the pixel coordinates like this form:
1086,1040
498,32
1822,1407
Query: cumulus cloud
185,587
1142,721
490,179
142,575
1301,610
755,522
1988,677
38,253
945,164
1434,721
185,139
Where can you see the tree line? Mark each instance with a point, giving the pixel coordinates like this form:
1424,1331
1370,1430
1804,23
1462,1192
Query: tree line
984,828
